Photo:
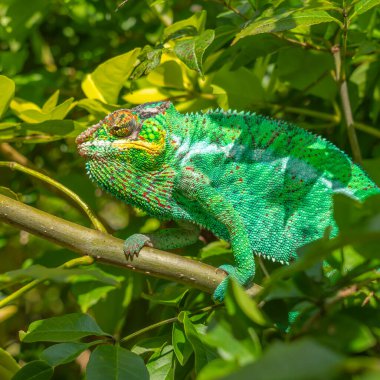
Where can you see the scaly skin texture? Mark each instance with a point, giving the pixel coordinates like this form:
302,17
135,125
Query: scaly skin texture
261,184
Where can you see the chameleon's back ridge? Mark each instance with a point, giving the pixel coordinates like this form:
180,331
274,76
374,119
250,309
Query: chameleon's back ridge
262,184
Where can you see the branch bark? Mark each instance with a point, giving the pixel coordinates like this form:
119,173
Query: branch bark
108,249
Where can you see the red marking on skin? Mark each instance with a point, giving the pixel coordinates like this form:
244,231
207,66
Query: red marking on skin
240,179
159,202
237,167
189,168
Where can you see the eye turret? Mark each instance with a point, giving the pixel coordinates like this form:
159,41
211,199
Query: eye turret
124,129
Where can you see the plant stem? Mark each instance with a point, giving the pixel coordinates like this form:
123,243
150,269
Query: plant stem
235,10
341,78
166,322
85,260
148,328
34,173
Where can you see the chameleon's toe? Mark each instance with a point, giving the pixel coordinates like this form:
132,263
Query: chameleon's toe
242,276
132,245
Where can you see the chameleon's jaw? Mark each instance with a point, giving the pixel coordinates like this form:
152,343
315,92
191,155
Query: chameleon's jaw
89,149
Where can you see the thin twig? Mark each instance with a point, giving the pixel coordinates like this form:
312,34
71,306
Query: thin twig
339,55
235,10
85,260
34,173
166,322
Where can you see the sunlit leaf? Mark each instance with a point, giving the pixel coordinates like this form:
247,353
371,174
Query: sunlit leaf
31,113
190,26
106,81
7,92
181,345
362,6
160,364
8,366
286,21
191,50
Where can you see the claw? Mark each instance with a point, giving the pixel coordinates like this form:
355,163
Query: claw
134,244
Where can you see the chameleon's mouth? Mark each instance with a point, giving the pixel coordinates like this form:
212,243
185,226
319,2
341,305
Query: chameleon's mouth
93,148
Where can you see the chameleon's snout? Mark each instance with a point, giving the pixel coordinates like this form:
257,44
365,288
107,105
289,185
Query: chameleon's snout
85,135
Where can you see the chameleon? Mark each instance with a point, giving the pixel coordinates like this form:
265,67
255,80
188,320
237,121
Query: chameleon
263,185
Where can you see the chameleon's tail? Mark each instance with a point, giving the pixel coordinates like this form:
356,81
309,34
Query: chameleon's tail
361,185
358,186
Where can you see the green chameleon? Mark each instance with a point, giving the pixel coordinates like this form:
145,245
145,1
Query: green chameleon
261,184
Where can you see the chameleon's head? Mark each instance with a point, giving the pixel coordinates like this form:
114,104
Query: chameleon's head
135,137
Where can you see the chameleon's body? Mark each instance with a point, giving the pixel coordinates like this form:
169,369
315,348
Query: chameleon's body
261,184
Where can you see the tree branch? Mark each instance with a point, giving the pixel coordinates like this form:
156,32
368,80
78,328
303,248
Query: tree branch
108,249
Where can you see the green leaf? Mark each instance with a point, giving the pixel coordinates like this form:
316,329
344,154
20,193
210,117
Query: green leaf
363,6
31,113
89,293
192,25
51,127
318,82
346,334
216,369
61,275
117,363
238,300
62,353
96,107
168,294
232,343
203,353
6,94
181,345
160,364
106,81
51,103
168,74
67,328
35,370
150,345
8,366
300,360
191,50
286,21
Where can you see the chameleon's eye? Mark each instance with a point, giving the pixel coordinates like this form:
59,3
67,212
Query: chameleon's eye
123,130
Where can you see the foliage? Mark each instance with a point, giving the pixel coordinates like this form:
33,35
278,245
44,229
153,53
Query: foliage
67,63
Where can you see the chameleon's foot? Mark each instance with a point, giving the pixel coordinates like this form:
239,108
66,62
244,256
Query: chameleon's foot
132,245
242,276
